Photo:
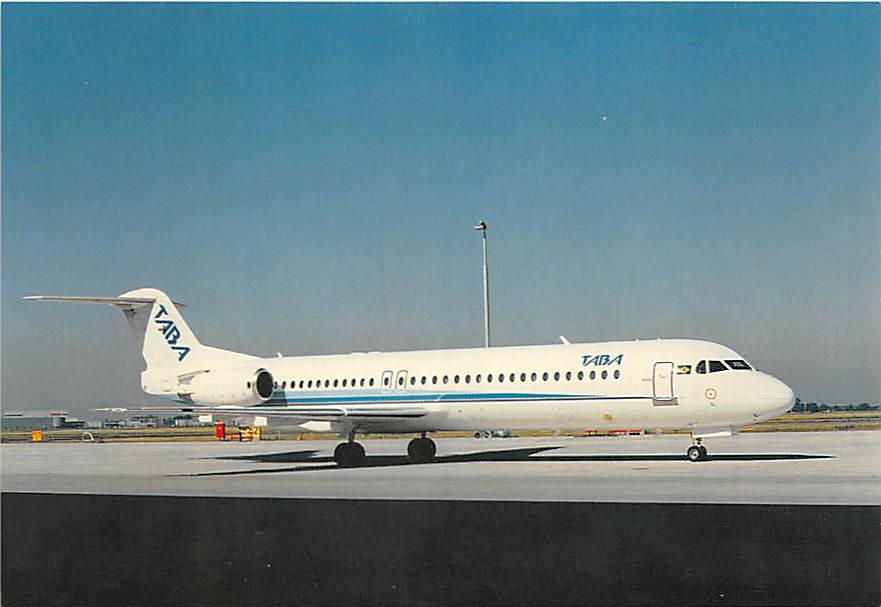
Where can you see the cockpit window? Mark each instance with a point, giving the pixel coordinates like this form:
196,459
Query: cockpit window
701,367
738,365
716,366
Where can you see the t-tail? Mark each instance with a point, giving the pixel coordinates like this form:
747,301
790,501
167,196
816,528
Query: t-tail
170,349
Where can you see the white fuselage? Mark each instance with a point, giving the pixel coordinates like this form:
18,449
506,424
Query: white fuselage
628,384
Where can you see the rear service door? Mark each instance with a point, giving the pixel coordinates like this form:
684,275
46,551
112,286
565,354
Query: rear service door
662,383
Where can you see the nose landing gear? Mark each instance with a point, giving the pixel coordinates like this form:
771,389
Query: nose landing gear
697,451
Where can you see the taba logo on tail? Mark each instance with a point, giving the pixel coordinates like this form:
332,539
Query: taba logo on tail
600,360
171,333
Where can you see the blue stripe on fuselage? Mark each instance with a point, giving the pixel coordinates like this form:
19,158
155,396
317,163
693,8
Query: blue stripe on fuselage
282,398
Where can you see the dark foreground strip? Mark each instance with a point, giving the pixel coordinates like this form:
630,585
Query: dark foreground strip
144,550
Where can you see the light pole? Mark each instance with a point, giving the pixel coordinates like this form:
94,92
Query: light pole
481,227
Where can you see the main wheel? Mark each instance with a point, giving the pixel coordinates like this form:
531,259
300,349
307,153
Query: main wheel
694,453
703,451
421,449
348,455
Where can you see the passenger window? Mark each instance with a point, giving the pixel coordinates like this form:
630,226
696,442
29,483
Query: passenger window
568,375
446,379
345,381
385,381
617,374
456,380
502,378
523,377
301,383
701,367
309,385
716,366
593,374
467,379
738,365
371,382
605,374
336,382
557,376
544,376
284,385
535,377
423,380
361,382
400,381
489,378
327,383
581,375
413,381
434,379
477,379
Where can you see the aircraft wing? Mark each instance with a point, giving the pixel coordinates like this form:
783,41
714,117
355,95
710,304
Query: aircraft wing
320,412
298,412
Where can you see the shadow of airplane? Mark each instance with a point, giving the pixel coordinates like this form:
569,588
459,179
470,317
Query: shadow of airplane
503,455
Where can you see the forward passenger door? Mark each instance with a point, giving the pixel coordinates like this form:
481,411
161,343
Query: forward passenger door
662,384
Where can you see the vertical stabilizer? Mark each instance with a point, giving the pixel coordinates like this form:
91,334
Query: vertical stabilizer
165,338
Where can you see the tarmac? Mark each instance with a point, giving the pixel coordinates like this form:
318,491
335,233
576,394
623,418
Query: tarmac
811,468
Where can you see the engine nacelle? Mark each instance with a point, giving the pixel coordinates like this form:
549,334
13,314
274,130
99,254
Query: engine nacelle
243,386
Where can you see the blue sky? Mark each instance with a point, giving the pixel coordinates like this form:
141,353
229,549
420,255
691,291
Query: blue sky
306,178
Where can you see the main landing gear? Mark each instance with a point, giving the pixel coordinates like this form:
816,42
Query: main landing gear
697,451
349,454
421,449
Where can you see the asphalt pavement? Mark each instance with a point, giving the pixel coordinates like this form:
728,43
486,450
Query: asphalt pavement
755,468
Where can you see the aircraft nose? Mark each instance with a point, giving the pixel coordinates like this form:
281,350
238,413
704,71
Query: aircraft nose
777,397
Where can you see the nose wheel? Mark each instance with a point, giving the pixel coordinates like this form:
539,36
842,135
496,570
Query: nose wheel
696,452
421,449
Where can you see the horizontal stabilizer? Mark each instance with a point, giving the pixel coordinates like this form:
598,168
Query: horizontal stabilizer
114,301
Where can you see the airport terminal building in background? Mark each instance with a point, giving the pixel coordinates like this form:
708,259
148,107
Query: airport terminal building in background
62,420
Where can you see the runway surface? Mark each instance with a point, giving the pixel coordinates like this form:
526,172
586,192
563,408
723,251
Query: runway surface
761,468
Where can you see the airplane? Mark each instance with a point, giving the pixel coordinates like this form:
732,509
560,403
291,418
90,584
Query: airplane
701,387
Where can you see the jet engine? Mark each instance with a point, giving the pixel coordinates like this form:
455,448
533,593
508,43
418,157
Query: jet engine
243,386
